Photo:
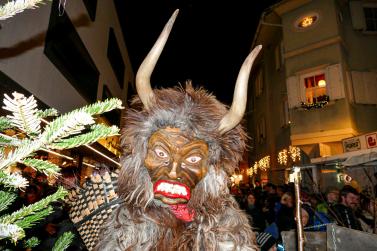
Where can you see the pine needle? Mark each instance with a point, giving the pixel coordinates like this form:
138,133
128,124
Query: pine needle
48,168
5,123
23,112
31,209
31,242
98,131
63,242
6,198
13,7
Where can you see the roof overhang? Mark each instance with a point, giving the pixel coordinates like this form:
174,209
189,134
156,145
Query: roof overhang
365,157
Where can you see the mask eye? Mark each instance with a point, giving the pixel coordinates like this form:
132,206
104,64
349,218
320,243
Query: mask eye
193,159
160,153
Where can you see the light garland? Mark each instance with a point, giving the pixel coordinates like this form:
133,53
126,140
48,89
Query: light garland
283,157
293,153
250,171
264,163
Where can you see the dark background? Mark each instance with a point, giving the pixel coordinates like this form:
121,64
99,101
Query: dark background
208,43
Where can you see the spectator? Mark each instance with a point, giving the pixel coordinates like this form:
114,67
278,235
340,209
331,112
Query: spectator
285,218
366,213
332,197
344,212
266,242
256,217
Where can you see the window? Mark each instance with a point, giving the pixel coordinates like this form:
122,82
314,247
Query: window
91,6
114,115
259,83
315,89
364,16
284,114
306,21
370,18
115,57
261,130
65,49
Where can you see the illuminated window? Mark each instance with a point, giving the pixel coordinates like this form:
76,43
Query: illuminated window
315,89
306,21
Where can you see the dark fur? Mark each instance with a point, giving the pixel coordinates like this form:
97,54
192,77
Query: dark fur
145,224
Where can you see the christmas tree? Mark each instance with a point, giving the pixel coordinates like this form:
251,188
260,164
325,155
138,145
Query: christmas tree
35,133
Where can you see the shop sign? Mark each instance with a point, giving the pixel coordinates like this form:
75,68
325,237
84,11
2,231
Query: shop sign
352,144
371,140
364,141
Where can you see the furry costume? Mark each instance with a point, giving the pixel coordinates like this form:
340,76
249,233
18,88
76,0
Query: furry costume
214,221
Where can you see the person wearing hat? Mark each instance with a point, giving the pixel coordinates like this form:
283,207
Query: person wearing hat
332,197
266,242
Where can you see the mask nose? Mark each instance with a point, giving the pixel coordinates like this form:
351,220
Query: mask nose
173,171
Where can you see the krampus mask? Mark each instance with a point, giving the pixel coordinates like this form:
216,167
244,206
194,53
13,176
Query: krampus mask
180,145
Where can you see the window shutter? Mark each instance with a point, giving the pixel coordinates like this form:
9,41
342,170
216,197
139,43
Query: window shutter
357,15
293,92
349,87
334,85
358,87
370,82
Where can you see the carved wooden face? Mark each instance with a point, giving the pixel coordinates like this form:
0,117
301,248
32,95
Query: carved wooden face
176,164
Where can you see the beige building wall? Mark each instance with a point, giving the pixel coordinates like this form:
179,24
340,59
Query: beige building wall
332,46
22,42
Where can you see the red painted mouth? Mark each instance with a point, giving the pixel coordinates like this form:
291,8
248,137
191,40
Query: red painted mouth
182,212
171,189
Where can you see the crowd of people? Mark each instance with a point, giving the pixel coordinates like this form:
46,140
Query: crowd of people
272,210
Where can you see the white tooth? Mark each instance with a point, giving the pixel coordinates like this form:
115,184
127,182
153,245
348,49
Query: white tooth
169,188
184,192
159,187
174,189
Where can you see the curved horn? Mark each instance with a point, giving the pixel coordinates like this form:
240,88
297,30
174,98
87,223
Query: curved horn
235,114
143,75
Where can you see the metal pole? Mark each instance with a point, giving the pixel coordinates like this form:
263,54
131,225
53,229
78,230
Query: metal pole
300,231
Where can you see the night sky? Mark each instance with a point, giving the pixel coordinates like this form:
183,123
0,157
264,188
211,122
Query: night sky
208,43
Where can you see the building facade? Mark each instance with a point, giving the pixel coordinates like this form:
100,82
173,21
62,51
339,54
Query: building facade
316,82
68,54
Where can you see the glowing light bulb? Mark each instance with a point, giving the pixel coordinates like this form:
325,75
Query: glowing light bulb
322,83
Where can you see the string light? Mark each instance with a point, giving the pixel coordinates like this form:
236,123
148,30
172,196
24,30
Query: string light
295,153
250,171
283,157
264,163
255,167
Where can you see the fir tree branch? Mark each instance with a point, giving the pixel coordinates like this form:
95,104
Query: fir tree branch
31,242
102,106
98,131
11,231
24,112
5,123
30,220
66,125
63,242
46,167
13,180
26,149
31,209
6,198
47,113
8,140
13,7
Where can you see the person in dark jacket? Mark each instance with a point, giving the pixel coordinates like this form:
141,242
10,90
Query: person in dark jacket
344,212
256,218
